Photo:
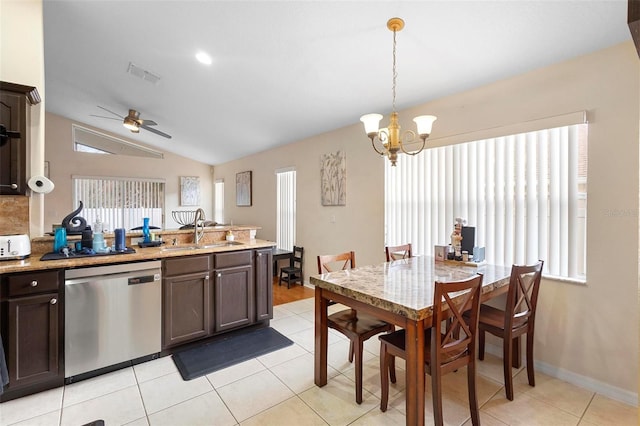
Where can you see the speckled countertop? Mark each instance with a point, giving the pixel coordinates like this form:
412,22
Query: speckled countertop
33,263
405,287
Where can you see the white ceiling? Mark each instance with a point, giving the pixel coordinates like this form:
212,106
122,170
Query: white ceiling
286,70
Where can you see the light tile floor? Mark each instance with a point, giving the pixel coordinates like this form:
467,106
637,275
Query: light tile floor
278,389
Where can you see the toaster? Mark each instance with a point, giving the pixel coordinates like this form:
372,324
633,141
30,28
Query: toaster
14,247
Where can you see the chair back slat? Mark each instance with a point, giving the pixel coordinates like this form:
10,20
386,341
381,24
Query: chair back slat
522,297
297,257
336,262
398,252
451,349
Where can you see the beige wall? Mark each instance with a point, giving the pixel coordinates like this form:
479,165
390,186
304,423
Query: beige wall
65,162
585,332
22,62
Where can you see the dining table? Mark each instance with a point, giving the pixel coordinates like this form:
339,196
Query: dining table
401,293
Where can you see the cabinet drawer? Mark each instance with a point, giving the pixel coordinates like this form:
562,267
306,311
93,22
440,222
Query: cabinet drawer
186,265
32,283
234,258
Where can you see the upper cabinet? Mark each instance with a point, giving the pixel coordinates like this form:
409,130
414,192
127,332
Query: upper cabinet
15,99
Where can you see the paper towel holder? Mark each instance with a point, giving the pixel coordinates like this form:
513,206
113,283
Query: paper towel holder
40,184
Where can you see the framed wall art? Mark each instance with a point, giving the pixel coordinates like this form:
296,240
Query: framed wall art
243,189
189,191
333,179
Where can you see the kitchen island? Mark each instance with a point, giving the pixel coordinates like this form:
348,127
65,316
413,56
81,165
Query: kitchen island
205,289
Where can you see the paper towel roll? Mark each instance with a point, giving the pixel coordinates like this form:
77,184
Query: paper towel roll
40,184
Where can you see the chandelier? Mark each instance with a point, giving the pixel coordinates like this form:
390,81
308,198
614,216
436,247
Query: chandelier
389,137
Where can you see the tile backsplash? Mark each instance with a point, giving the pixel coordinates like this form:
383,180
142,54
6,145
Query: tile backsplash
14,214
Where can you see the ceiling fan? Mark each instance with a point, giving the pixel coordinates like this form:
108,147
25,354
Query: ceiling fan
133,122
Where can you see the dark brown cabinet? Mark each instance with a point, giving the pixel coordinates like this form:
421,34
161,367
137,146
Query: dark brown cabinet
186,299
264,288
15,100
204,295
234,297
32,328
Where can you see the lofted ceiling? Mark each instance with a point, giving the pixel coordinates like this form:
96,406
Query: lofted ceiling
286,70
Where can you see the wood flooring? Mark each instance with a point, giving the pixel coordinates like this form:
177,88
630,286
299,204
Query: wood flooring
283,295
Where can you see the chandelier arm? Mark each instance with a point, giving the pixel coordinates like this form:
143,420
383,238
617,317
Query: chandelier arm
411,139
374,146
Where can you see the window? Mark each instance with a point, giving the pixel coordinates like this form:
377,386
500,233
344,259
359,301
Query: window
526,195
85,140
286,209
120,202
218,202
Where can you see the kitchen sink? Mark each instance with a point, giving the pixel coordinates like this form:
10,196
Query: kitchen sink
203,246
179,248
221,244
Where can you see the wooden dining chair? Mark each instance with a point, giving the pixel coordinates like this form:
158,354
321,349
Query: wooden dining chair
516,319
357,327
444,351
293,272
398,252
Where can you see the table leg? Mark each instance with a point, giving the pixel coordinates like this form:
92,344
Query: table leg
414,344
321,339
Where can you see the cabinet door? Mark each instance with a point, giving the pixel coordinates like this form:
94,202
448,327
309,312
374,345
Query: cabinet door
186,308
33,347
264,284
234,298
12,152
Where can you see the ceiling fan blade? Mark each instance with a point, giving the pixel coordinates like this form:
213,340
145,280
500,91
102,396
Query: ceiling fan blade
102,116
109,111
148,123
157,132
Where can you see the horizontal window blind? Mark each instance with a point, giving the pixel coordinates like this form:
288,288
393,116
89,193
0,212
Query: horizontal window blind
120,202
525,194
286,209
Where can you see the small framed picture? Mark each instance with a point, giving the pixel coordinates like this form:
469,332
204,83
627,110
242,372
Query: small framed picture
189,191
440,253
243,189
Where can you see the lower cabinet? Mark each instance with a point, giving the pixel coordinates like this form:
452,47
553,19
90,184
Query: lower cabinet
204,295
186,299
32,329
263,261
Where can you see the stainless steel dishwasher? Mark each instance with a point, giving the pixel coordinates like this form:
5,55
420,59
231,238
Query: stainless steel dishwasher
112,316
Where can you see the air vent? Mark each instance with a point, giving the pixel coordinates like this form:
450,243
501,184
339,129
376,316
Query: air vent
143,74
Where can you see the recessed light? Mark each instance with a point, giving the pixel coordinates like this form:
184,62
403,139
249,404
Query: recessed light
204,58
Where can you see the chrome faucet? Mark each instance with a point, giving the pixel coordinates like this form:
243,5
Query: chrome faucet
198,221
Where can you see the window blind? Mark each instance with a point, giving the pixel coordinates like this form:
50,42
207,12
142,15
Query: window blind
525,194
286,209
120,202
218,211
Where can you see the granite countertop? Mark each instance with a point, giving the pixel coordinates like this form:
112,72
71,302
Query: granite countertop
33,263
405,286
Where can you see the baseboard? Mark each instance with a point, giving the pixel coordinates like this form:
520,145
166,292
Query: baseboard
585,382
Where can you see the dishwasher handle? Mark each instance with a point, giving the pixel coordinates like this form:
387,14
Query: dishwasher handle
143,279
132,278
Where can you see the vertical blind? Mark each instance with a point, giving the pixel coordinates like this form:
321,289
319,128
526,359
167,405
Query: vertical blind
218,203
120,202
525,194
286,209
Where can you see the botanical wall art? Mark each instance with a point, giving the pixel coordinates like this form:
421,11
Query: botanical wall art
243,189
333,179
189,191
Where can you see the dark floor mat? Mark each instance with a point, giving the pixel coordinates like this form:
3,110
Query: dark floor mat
228,351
